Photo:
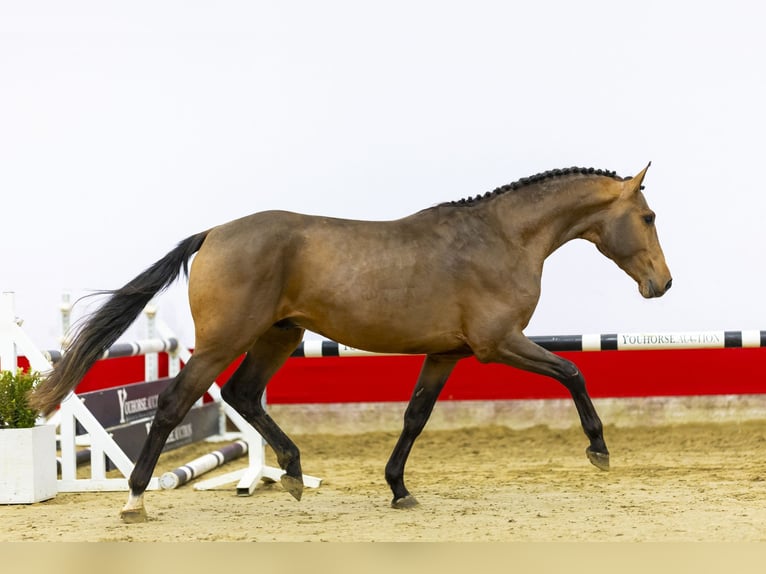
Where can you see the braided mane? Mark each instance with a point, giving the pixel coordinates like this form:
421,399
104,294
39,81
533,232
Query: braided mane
527,181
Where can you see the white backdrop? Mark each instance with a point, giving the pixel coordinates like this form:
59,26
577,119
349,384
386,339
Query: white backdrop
125,127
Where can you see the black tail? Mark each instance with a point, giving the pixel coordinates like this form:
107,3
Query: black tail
104,326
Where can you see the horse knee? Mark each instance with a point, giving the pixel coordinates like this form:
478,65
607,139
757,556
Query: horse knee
571,377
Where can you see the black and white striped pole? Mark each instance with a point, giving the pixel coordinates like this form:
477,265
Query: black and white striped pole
595,342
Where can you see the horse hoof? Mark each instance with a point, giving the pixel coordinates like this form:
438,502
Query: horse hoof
292,485
133,515
598,459
408,501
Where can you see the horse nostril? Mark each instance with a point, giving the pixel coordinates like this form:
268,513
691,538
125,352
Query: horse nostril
669,284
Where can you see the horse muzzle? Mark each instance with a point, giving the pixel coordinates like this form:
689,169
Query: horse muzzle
650,289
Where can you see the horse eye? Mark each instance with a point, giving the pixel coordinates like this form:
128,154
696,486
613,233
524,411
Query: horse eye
649,219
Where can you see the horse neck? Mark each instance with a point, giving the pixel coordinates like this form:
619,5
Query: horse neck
544,219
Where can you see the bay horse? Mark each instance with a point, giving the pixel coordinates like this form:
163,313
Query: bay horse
451,281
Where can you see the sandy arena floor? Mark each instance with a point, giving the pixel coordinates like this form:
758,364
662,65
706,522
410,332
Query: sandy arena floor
692,482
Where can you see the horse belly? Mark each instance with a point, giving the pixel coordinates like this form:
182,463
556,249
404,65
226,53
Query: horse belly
386,336
384,317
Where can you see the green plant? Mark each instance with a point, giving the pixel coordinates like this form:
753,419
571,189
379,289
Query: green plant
15,411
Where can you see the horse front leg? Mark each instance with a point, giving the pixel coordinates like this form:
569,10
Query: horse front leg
435,372
518,351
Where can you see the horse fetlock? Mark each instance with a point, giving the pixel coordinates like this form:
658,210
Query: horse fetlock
394,476
289,461
402,497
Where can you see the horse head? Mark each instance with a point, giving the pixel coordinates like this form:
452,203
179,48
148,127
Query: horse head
627,235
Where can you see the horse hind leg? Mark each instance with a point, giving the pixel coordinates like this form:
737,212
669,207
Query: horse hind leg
173,404
244,391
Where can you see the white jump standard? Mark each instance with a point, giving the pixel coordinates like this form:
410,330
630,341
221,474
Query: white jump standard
103,447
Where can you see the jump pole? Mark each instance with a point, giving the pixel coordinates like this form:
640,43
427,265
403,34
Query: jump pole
205,463
589,342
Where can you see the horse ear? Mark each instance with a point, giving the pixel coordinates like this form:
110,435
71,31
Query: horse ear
634,184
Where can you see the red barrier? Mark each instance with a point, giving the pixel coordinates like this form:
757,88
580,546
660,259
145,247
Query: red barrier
383,379
608,374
